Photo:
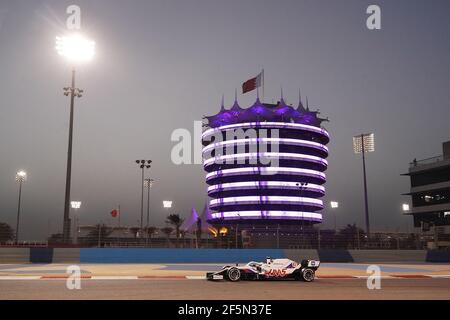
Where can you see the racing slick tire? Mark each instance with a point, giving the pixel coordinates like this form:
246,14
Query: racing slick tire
233,274
308,275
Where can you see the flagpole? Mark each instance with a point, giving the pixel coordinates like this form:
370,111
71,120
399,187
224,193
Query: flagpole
119,215
262,85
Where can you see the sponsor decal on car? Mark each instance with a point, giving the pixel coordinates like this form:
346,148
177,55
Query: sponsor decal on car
276,273
312,263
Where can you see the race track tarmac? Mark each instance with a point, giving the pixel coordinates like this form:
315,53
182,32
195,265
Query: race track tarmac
184,289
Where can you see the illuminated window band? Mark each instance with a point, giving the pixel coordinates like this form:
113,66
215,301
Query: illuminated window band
269,214
287,141
270,125
269,155
265,185
265,170
267,200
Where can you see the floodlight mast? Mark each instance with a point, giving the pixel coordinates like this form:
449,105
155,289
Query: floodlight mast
76,205
360,146
67,223
21,176
143,164
75,49
366,201
148,183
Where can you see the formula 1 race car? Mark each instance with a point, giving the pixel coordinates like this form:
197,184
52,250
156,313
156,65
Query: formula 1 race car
271,269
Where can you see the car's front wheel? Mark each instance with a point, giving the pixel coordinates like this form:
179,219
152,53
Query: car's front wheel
308,274
234,274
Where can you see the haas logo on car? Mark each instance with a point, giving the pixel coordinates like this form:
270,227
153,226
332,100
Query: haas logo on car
276,273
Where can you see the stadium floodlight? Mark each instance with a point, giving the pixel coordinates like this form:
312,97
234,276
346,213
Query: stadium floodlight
21,176
405,207
364,143
167,204
334,205
148,183
75,204
75,48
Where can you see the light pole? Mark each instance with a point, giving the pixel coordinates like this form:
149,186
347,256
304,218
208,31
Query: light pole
75,205
21,176
406,210
75,48
334,205
361,144
148,183
167,204
143,164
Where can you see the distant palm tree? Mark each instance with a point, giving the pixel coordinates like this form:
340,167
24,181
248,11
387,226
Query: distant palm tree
6,232
176,221
167,231
149,231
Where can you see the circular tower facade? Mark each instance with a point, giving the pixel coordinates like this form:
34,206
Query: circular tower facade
265,165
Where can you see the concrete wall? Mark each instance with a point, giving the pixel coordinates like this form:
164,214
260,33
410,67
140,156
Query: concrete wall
438,256
41,255
386,256
14,255
66,255
143,255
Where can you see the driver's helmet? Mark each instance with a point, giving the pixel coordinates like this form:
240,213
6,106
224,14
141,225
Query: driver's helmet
269,260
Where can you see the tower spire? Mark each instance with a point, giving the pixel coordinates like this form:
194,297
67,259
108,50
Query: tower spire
282,96
235,106
307,104
300,106
222,103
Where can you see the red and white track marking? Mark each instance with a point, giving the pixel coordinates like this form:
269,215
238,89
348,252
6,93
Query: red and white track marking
89,277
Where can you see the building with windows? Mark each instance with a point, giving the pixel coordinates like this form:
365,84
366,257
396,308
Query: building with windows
265,170
430,194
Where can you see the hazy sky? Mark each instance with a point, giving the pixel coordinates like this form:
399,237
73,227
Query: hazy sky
160,65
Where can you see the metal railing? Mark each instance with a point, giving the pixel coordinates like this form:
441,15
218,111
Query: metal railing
25,244
418,163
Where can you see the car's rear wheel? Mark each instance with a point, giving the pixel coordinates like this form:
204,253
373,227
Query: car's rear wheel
234,274
308,275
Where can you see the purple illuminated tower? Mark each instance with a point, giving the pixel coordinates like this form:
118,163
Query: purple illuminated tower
265,166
